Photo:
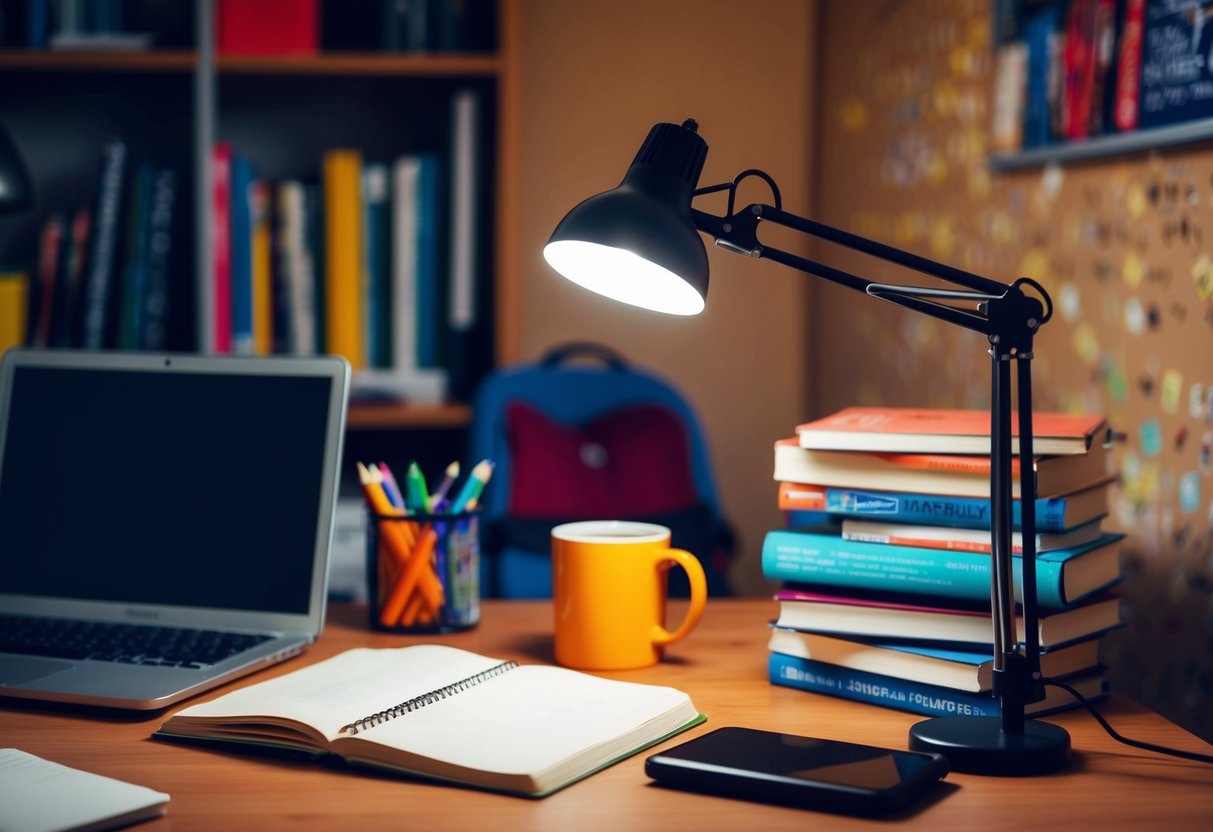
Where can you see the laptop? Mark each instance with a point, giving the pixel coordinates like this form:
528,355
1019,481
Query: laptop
165,520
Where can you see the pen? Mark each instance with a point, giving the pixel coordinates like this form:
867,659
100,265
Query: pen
418,497
474,485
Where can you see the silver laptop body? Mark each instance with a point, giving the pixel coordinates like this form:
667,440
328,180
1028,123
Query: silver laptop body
181,491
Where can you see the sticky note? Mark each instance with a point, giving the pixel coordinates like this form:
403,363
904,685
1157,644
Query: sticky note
1189,492
1202,274
1086,344
1196,401
1149,435
1134,317
1069,301
1133,270
1172,385
1136,201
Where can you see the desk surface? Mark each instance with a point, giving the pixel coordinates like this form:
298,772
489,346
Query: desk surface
722,666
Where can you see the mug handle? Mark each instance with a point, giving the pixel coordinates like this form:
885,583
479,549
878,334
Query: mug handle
699,594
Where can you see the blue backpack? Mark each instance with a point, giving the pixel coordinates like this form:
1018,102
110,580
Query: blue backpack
578,441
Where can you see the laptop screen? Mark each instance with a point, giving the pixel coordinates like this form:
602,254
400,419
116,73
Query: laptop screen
169,488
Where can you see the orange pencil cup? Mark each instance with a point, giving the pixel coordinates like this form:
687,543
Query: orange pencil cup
423,572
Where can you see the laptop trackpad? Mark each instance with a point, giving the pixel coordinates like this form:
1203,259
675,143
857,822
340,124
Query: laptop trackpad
16,671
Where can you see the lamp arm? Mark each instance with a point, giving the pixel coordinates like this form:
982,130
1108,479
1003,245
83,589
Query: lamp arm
1009,319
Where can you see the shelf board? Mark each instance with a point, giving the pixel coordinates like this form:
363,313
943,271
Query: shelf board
362,63
184,60
395,415
1102,147
154,60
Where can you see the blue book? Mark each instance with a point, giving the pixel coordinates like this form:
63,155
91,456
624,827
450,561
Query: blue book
430,318
1053,514
819,555
241,241
967,668
929,700
1042,31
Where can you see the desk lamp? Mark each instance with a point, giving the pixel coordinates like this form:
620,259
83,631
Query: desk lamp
640,244
16,190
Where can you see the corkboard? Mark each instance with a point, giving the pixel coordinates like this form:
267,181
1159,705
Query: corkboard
1125,248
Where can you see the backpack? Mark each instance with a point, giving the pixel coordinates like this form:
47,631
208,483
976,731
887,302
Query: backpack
577,441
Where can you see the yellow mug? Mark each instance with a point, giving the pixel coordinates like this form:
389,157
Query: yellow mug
609,589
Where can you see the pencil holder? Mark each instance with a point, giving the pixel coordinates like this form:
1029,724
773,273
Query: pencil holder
423,572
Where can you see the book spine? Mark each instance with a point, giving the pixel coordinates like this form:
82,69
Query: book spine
929,509
876,689
802,557
377,297
104,244
160,243
240,232
1128,66
134,281
343,255
429,288
14,309
261,267
221,217
404,246
50,296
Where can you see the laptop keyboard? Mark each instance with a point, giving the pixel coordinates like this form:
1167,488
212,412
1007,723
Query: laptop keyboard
119,642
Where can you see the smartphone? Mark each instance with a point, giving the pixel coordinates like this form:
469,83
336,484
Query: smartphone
800,771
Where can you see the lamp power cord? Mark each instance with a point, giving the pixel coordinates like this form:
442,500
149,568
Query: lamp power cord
1148,746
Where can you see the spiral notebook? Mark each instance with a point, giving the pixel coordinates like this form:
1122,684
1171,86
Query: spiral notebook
447,714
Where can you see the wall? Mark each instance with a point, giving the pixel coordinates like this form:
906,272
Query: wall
1118,243
595,76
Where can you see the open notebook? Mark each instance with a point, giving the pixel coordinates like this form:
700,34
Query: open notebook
448,714
165,520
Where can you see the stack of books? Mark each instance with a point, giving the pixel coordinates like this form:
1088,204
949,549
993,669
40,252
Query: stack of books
886,594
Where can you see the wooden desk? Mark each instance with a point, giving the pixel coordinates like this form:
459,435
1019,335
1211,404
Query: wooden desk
722,666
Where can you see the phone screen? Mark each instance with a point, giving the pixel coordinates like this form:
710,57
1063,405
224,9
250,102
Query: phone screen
764,764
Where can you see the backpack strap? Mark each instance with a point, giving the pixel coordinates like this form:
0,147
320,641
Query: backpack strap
577,349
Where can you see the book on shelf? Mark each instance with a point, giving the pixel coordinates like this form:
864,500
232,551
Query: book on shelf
218,302
162,211
376,265
443,713
944,431
267,27
1010,87
343,294
103,246
406,225
1128,65
14,309
464,267
1176,68
1053,514
240,233
895,617
262,267
961,540
819,555
948,474
133,283
915,697
969,670
416,385
296,268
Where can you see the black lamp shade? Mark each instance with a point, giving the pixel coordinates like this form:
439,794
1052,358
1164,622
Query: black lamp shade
16,189
637,243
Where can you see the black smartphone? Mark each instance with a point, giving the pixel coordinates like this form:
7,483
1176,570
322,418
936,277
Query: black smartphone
800,771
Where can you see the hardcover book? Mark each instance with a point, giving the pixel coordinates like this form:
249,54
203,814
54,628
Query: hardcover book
960,540
951,474
819,555
941,431
876,617
930,700
446,714
967,670
1053,514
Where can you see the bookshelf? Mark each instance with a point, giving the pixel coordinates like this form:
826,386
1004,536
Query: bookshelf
283,112
1137,69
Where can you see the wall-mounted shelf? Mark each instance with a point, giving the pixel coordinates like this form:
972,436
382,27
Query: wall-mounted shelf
185,60
41,60
1102,147
392,416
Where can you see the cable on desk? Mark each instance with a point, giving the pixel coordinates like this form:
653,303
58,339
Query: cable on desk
1148,746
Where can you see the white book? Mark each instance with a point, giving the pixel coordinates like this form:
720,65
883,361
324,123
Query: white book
406,171
465,126
298,267
38,795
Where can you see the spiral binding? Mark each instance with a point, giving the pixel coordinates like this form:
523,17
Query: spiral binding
419,702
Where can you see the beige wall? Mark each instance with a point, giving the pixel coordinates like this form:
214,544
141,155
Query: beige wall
595,76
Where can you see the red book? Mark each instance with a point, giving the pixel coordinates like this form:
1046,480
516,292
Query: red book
1128,66
221,208
266,27
942,431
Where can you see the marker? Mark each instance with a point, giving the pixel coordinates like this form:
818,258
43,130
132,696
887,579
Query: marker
474,485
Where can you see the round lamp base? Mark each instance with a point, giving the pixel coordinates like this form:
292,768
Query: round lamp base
979,745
